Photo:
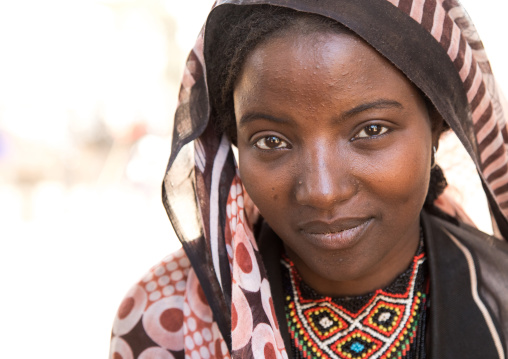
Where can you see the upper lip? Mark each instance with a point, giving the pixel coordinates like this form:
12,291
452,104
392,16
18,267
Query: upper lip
334,226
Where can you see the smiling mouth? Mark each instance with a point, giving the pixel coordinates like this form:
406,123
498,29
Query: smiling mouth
336,235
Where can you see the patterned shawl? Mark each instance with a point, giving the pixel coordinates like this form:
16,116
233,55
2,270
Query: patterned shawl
433,42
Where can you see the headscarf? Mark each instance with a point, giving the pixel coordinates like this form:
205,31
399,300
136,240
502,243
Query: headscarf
433,42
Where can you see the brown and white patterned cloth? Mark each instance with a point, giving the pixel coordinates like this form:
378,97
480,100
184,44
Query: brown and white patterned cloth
212,299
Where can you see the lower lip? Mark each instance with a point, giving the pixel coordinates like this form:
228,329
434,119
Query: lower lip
338,240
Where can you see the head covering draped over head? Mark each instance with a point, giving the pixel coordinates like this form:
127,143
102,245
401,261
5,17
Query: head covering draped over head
432,42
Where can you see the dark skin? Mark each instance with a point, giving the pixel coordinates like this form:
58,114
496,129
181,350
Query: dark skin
335,151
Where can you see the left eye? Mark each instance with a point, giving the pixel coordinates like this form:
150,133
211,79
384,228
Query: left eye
271,143
371,131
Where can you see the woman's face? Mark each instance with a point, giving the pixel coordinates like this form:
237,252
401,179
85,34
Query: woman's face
334,149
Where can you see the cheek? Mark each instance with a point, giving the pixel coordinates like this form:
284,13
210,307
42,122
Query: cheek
402,175
264,185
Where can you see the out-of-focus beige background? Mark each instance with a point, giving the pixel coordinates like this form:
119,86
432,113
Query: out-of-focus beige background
87,93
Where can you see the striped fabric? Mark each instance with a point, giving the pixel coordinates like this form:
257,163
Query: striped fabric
201,173
450,25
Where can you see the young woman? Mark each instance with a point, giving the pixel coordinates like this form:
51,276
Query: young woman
324,241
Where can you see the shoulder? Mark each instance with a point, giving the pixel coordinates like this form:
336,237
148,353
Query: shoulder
488,254
465,252
478,242
152,307
159,312
469,273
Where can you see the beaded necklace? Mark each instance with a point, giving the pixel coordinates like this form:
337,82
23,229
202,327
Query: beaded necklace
388,323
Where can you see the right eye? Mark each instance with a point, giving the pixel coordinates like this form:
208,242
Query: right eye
271,143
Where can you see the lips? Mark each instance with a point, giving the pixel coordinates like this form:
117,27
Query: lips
335,235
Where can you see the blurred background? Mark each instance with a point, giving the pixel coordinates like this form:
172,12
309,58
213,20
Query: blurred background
87,94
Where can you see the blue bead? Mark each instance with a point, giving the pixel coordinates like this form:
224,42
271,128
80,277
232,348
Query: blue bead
357,347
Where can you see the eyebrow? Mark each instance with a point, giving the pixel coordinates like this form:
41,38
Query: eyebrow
378,104
249,117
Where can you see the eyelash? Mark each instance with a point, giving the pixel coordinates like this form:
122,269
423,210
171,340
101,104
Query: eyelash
258,144
381,128
261,142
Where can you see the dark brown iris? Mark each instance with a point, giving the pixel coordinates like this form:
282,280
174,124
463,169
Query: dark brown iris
272,142
373,130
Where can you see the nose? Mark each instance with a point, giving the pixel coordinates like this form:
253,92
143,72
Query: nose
324,179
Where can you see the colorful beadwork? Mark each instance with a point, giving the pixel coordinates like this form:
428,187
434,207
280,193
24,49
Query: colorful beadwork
386,326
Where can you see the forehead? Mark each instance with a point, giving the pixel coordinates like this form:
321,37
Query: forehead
319,68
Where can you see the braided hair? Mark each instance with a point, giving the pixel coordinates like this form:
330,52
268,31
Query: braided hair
247,28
